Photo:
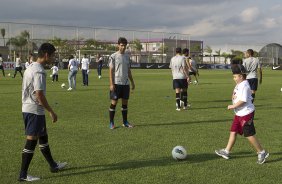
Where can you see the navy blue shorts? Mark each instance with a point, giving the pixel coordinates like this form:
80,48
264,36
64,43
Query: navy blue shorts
180,83
253,83
35,125
121,91
192,73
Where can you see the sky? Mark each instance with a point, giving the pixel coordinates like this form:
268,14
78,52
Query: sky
218,23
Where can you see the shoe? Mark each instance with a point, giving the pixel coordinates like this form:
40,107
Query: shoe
29,178
69,89
100,76
127,125
112,125
59,167
262,157
178,109
185,107
222,153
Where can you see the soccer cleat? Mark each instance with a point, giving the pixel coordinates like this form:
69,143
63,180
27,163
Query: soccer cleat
262,157
127,125
100,76
69,89
185,107
59,167
222,153
29,178
178,109
112,125
181,103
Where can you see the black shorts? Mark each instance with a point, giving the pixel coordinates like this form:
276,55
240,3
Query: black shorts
18,69
192,73
1,67
180,83
35,125
253,83
121,91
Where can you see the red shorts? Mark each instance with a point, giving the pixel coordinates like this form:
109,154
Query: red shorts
243,124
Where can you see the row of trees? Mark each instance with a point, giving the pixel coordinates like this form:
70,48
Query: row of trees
24,45
235,54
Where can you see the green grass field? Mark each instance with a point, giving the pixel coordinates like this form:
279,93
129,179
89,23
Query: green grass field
142,155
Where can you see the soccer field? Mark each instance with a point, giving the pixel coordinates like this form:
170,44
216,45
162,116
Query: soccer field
96,154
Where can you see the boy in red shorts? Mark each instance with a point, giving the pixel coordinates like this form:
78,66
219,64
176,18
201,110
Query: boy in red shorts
244,115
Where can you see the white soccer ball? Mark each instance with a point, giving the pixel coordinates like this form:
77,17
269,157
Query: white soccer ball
63,85
195,82
281,89
51,75
179,153
9,74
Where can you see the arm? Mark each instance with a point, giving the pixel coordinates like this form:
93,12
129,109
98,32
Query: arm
236,105
131,79
43,101
260,75
111,73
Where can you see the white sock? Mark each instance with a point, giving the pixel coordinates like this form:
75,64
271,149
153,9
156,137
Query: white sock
226,151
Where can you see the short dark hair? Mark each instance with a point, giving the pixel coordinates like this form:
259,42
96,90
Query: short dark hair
122,40
239,69
71,57
251,52
185,51
178,50
46,48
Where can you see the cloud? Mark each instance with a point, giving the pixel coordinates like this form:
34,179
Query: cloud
249,14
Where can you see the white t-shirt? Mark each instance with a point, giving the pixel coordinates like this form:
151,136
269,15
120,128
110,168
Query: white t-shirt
121,65
34,79
85,64
73,63
26,64
193,65
242,92
251,64
1,61
18,62
177,65
55,70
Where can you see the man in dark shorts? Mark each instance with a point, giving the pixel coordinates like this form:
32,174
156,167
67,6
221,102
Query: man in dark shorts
119,68
33,104
252,65
180,77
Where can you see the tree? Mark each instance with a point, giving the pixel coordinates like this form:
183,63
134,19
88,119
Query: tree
59,44
3,33
225,55
218,53
208,49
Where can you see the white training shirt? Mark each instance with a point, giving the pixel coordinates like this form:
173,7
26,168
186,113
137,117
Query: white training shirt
177,65
26,64
193,65
34,79
18,62
55,70
242,92
251,64
1,61
73,64
121,64
85,64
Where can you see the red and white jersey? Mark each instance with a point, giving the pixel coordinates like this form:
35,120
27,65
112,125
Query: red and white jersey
242,92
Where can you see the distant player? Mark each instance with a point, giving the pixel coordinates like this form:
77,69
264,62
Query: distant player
243,122
192,65
1,65
73,68
99,61
33,104
85,69
181,78
119,73
252,65
55,73
18,66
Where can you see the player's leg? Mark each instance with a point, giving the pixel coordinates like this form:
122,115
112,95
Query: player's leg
83,77
57,77
112,111
16,71
70,80
86,78
74,79
184,95
53,77
20,70
177,98
224,153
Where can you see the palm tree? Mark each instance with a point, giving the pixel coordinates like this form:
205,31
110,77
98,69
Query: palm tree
218,52
17,42
3,32
59,44
137,46
208,49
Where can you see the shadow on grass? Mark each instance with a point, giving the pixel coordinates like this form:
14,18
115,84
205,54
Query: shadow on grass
186,122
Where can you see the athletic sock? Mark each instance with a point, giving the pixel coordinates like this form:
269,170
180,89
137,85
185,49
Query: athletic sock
253,95
177,95
112,111
27,155
124,113
184,98
45,150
